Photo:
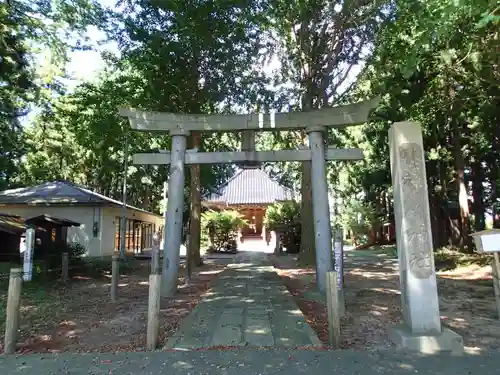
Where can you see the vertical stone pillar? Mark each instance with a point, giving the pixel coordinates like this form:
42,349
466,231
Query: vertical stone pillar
421,329
173,219
321,209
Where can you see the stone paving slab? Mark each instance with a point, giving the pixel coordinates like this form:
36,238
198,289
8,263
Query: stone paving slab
247,306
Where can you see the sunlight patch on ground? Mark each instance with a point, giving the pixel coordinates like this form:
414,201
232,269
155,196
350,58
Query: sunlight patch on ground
472,350
183,365
371,275
385,290
407,366
472,272
294,312
215,272
26,309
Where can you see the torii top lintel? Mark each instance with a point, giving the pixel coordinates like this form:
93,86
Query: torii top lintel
341,116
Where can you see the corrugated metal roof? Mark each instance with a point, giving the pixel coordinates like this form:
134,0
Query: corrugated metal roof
250,186
57,192
12,224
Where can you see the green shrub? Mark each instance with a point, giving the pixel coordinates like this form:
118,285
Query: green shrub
221,227
360,218
285,217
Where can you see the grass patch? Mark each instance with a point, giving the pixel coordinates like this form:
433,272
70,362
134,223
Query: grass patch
445,258
379,250
448,258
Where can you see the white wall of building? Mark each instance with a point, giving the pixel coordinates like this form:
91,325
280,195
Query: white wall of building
97,245
84,215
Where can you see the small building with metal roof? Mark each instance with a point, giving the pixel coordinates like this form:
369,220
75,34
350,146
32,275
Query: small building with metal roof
98,217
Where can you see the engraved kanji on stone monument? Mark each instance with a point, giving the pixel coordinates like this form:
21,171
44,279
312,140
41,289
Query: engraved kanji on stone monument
416,232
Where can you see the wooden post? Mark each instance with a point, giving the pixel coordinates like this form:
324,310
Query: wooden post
153,308
277,248
115,269
155,254
496,280
13,305
65,267
332,305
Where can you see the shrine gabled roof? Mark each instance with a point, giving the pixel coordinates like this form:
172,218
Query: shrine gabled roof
250,186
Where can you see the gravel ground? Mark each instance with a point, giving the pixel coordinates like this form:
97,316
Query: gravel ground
371,287
249,362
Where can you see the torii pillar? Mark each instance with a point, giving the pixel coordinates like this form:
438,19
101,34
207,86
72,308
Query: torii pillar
173,219
320,206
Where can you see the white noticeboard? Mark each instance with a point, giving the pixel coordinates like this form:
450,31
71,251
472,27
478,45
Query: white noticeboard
491,242
487,241
28,255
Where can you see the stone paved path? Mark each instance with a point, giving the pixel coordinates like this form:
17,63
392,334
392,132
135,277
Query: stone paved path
250,362
248,306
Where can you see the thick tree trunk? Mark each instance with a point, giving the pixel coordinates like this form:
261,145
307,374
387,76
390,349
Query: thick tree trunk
195,215
478,194
307,254
465,240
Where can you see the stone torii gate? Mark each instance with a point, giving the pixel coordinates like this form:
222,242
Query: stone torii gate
179,126
421,329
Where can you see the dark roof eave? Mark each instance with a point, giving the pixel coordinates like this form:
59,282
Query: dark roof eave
44,218
89,203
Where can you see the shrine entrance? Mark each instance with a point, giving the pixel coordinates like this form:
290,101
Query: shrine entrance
421,329
255,219
315,123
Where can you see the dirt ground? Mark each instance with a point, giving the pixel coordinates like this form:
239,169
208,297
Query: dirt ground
80,317
373,301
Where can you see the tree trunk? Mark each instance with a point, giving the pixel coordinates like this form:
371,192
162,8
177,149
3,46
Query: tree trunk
307,254
195,215
494,174
450,235
478,194
465,240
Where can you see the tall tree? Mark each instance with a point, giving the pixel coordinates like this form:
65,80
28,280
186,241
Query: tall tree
321,46
434,62
197,56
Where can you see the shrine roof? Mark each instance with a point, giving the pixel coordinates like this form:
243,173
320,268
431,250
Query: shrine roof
250,186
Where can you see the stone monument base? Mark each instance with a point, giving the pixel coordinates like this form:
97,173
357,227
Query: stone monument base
447,341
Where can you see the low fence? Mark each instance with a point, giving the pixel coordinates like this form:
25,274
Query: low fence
17,277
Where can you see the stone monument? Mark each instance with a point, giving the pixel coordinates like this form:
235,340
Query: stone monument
421,329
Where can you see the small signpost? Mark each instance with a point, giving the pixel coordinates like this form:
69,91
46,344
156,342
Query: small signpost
28,255
488,241
338,249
